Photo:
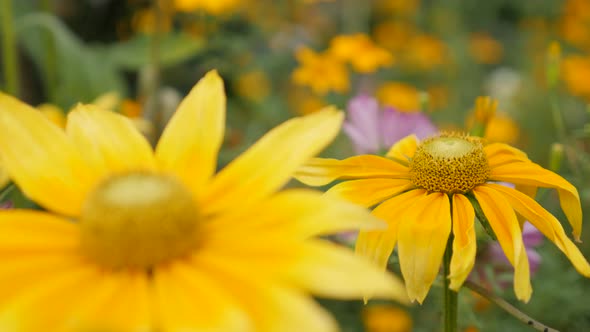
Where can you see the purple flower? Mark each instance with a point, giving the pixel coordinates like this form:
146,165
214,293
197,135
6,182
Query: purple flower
373,130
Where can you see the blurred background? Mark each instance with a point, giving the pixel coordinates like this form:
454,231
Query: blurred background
283,58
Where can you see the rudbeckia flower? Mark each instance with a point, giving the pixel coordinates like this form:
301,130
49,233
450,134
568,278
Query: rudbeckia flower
425,190
140,240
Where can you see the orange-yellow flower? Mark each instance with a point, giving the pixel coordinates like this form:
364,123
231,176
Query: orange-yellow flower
141,240
322,72
361,52
214,7
401,96
575,72
426,190
485,49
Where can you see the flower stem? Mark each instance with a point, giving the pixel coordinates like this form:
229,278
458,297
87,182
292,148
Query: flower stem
509,308
9,50
450,296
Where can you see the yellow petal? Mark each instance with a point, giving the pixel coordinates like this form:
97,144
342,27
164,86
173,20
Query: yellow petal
41,160
271,162
330,271
423,235
130,309
320,171
500,153
191,141
271,306
404,149
368,192
464,241
377,246
507,229
294,213
4,178
27,231
108,141
188,300
531,174
546,223
50,315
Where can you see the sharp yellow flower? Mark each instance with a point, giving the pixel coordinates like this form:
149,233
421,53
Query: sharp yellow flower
141,240
424,190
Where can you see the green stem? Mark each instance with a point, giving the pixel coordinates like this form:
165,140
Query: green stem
450,296
9,50
509,308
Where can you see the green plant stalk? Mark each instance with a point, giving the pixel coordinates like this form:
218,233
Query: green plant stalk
450,296
9,50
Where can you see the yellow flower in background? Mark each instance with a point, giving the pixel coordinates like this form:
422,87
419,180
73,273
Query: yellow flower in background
485,49
424,190
362,53
215,7
575,72
502,128
401,96
425,52
394,35
398,7
253,85
303,102
141,240
386,318
322,72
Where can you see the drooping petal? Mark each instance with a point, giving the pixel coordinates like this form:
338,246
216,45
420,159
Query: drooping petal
41,160
296,213
464,241
191,141
186,299
507,229
368,192
423,235
39,298
271,162
320,171
404,149
500,153
378,245
546,223
271,306
108,141
531,174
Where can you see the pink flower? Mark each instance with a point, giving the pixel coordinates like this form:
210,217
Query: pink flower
373,130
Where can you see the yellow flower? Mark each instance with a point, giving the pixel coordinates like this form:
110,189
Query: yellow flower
320,71
425,52
485,49
361,52
575,72
53,114
4,178
253,85
386,318
141,240
215,7
426,189
394,35
401,96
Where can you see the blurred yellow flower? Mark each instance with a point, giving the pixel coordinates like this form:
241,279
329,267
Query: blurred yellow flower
145,20
394,35
142,239
485,49
574,25
425,52
362,53
215,7
303,102
502,129
575,72
322,72
253,85
401,96
386,318
398,7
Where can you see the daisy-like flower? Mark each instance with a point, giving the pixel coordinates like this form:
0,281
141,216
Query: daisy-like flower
141,240
425,190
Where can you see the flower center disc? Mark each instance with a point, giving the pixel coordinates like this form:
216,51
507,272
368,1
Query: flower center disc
450,164
138,220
